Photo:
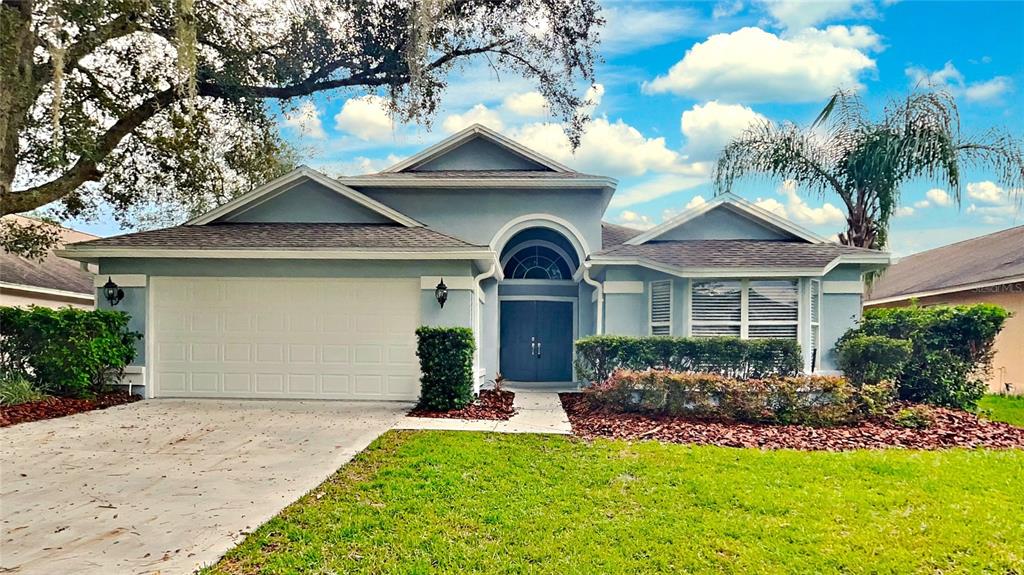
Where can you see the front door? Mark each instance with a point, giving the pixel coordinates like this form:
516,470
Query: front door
536,340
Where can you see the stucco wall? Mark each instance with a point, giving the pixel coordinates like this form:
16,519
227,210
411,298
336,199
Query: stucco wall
1008,363
479,154
310,202
721,223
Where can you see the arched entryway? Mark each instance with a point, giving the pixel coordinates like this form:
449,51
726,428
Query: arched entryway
539,297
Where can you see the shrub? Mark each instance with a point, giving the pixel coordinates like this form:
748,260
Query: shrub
916,417
806,400
446,364
951,349
598,356
873,359
16,389
69,352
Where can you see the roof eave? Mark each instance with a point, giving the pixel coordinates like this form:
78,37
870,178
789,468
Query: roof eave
92,255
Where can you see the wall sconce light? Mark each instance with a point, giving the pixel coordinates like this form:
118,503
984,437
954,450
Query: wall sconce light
113,293
441,293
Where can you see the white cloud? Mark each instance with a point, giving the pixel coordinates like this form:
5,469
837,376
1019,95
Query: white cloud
357,165
709,127
633,28
531,104
995,214
950,78
987,192
635,220
921,204
725,9
696,201
903,212
797,209
479,114
305,119
655,188
1002,205
939,197
796,14
366,117
752,65
593,97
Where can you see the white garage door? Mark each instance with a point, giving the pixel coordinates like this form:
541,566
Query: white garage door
285,338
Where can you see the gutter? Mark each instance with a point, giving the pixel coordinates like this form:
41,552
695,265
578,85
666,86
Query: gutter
477,357
599,327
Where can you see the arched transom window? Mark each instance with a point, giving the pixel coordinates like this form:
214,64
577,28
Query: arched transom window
537,262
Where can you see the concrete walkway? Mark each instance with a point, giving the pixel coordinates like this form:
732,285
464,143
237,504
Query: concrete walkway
537,411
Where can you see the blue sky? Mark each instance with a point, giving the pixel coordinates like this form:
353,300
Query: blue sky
680,78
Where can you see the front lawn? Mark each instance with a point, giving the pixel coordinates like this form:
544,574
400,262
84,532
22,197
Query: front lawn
1006,408
459,502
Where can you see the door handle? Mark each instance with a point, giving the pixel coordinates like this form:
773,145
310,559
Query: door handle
533,346
538,348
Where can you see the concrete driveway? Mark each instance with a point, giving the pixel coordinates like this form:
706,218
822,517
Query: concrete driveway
166,486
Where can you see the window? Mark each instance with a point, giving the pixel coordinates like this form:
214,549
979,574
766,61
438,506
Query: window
716,308
537,262
815,322
661,307
745,308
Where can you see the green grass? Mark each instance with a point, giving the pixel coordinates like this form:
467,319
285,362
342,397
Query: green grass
1003,408
450,502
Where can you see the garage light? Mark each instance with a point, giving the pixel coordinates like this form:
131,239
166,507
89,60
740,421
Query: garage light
441,293
113,293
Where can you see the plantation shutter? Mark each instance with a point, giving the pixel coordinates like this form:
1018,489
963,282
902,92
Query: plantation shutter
716,307
773,308
815,321
661,307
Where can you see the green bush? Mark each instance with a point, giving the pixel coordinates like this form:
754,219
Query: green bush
872,359
69,352
805,400
446,364
598,356
16,389
951,349
915,417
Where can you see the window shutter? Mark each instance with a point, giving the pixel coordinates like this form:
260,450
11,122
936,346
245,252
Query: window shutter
661,307
716,307
815,322
773,307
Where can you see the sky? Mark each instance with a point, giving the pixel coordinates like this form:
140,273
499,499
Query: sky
680,79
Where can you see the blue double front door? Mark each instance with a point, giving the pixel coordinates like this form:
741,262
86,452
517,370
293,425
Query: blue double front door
536,340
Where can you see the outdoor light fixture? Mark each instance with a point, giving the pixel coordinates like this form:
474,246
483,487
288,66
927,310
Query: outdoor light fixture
113,293
441,293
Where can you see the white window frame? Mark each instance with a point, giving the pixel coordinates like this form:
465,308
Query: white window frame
815,341
744,321
651,324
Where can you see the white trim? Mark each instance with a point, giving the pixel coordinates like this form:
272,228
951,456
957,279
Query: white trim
588,183
737,203
535,282
941,291
459,138
84,297
541,220
650,306
880,259
557,298
597,297
851,286
453,282
303,254
122,280
708,272
148,343
288,181
612,286
543,243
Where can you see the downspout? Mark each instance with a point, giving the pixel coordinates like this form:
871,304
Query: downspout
478,322
599,328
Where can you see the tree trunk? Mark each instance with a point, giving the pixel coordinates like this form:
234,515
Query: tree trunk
17,84
861,228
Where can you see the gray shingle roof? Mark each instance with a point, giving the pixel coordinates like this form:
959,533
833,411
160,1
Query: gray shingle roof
284,236
53,272
614,234
733,253
987,258
441,174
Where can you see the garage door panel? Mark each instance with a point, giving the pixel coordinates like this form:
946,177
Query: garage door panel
302,338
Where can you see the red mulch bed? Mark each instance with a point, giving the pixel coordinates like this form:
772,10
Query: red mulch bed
950,428
490,405
52,407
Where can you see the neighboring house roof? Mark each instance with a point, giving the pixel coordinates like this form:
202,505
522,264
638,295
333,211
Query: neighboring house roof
52,273
734,203
723,255
989,260
614,234
290,180
463,136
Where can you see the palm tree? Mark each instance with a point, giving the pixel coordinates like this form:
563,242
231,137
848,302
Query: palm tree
864,162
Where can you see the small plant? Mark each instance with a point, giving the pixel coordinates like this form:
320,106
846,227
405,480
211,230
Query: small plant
498,382
916,417
16,389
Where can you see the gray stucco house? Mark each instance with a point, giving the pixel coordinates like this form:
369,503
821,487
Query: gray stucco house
312,287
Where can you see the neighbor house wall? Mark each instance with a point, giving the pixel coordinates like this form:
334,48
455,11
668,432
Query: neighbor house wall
1008,362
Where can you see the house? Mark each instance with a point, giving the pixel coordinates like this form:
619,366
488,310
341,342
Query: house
312,287
987,269
53,282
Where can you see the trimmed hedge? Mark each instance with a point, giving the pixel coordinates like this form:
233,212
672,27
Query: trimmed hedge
68,352
804,400
872,359
598,356
951,349
446,364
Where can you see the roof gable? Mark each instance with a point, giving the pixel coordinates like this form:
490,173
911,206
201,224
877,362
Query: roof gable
477,148
727,217
270,203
